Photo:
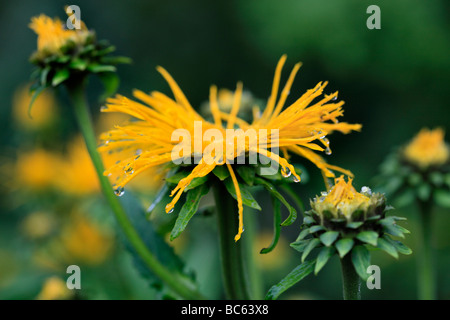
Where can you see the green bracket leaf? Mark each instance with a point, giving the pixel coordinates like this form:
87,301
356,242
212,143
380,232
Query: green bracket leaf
189,208
369,237
344,246
361,261
276,226
329,237
311,245
388,247
247,198
322,258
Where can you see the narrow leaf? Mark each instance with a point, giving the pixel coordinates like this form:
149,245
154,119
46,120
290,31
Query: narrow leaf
296,275
387,247
311,245
189,208
247,198
276,226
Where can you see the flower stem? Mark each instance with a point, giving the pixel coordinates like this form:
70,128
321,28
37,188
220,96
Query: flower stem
351,283
425,272
81,108
236,281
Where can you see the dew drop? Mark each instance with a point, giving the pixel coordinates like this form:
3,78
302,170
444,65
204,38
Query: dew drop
366,190
327,151
334,98
295,179
138,152
103,108
119,191
129,170
324,193
170,211
285,172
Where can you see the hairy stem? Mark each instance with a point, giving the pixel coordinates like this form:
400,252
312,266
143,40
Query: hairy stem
235,278
351,283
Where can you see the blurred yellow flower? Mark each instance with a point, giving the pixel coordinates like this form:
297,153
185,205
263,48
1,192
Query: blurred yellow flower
80,241
427,148
44,109
52,35
85,242
35,169
38,224
54,288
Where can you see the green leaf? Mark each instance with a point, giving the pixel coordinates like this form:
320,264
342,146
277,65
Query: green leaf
311,245
369,237
361,261
329,237
44,74
308,220
96,68
153,241
296,275
399,246
314,229
175,179
387,247
110,81
423,192
189,208
247,173
322,258
78,64
116,60
300,245
303,234
60,76
442,198
344,246
276,226
354,225
221,172
247,198
269,187
394,230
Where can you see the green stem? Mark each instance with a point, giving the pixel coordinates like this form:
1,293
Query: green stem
81,108
236,281
351,283
425,272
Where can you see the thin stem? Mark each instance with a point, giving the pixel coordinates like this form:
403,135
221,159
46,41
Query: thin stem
81,108
232,253
351,283
425,271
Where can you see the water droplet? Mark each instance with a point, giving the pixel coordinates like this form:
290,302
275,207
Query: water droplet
324,193
103,108
129,170
118,161
285,172
119,191
295,179
327,151
334,98
137,157
171,210
138,152
366,190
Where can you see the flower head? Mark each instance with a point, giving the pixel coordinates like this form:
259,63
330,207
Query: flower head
52,36
427,148
158,117
343,201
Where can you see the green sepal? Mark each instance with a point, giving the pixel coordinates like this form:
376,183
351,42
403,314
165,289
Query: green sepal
316,228
311,245
387,247
361,260
60,76
329,237
300,245
188,210
399,246
344,246
247,173
221,172
322,258
369,237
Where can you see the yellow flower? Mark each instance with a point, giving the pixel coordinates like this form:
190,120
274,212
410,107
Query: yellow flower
342,200
52,35
427,149
158,116
43,112
85,242
54,288
35,169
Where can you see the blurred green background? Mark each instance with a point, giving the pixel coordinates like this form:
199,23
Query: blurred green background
394,82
